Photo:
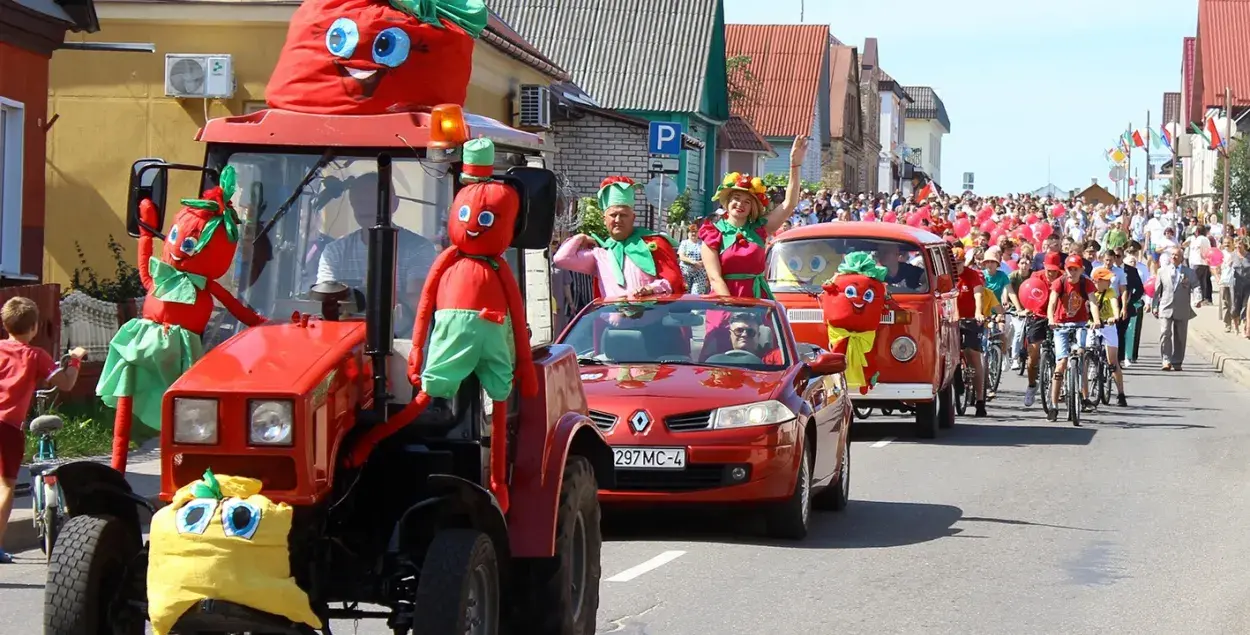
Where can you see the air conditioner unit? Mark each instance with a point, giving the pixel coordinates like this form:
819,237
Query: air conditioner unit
199,76
535,107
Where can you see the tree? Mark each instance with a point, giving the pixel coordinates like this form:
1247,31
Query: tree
1239,189
741,81
590,218
1179,180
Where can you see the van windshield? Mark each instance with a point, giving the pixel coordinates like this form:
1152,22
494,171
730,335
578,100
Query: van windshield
802,265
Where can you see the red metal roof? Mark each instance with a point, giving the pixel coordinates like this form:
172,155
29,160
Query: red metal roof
786,62
1225,57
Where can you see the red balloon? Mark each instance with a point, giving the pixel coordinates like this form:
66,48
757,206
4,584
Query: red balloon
962,227
988,226
996,234
869,217
1035,295
1057,211
1150,286
1026,232
890,217
914,219
1042,231
1030,219
984,215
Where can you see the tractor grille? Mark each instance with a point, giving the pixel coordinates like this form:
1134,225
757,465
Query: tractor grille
689,421
695,477
604,421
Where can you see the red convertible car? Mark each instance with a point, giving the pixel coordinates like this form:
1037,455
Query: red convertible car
710,400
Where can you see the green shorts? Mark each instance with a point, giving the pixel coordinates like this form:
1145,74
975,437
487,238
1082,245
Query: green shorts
464,344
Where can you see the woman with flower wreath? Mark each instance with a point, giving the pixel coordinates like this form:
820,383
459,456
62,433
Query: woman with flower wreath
734,246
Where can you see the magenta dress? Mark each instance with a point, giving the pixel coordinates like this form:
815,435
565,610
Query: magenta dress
743,258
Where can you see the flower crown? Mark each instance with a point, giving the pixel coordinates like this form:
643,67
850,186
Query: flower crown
745,183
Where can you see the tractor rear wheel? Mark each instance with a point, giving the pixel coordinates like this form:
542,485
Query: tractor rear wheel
459,587
560,595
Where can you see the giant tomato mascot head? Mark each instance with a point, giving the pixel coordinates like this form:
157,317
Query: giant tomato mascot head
205,232
367,57
855,299
484,213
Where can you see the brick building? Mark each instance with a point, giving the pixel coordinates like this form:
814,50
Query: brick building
870,100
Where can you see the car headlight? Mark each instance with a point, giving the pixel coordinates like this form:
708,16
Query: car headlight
761,413
270,422
195,421
903,348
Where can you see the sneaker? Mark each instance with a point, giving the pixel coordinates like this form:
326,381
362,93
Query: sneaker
5,558
1053,415
1015,364
1088,405
981,410
1127,364
1030,394
1122,401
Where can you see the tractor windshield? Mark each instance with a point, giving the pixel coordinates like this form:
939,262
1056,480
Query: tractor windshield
323,235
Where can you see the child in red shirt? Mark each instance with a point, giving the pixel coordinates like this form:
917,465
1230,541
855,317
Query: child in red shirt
970,283
22,369
1072,301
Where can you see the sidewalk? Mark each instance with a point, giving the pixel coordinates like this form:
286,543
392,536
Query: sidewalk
1229,353
143,472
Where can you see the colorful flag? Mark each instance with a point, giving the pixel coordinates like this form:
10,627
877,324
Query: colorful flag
1215,140
1118,156
926,191
1200,132
1138,141
1166,135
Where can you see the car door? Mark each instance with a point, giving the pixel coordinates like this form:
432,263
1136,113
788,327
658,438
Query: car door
947,316
829,401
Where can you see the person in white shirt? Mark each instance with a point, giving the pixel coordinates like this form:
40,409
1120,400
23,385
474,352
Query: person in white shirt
1232,320
1197,250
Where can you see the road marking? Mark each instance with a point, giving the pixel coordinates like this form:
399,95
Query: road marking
882,443
652,564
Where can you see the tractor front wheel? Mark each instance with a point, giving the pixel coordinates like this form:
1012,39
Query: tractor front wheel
560,595
87,578
459,587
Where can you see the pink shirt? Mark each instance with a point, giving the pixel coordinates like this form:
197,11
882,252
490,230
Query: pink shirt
598,262
23,368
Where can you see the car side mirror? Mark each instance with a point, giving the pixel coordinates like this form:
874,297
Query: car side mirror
148,180
945,284
828,364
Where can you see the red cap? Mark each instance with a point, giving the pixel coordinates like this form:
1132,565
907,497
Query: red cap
1053,262
1074,262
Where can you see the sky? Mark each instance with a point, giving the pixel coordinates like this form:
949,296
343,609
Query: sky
1034,91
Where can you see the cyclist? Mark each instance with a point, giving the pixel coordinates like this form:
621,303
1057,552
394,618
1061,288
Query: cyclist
1035,324
998,282
1109,312
1072,301
970,305
22,368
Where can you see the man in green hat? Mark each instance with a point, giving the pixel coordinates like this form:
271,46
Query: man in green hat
630,260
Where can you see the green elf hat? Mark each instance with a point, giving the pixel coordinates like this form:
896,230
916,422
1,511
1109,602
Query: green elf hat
479,160
470,15
862,263
617,190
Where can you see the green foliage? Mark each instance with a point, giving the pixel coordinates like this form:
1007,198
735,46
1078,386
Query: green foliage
742,82
88,431
679,211
590,218
782,181
1239,188
125,284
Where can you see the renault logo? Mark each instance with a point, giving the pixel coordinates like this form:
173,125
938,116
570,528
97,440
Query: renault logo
640,420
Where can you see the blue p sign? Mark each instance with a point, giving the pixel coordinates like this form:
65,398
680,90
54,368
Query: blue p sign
665,138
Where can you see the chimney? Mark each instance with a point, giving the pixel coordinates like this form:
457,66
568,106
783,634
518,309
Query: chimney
1093,181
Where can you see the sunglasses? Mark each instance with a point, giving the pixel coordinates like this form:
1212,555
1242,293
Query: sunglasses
744,331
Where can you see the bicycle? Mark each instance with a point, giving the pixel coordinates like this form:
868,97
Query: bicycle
991,343
965,379
1071,389
1098,371
45,492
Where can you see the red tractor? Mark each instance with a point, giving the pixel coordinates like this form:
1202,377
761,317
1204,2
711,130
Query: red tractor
339,215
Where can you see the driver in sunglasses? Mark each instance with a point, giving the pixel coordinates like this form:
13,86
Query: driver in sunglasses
744,335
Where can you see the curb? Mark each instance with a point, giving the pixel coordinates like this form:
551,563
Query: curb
1237,370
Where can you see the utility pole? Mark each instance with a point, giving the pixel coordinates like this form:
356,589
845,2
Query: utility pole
1128,166
802,10
1148,164
1228,146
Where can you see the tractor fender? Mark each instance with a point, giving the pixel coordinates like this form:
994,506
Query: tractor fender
535,490
95,489
454,502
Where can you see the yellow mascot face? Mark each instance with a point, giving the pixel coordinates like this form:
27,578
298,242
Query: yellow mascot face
220,539
799,262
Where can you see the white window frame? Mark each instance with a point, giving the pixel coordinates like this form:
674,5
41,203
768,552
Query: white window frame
12,155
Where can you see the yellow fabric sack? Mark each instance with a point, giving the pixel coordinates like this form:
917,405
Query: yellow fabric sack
220,539
857,351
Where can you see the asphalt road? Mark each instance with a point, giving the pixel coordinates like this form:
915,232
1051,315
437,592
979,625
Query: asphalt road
1134,524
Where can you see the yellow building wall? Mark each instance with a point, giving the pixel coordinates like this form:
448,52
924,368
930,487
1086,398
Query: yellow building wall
111,110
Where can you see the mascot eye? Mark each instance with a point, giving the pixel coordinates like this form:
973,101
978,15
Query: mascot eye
851,292
188,245
794,264
464,214
486,218
173,235
342,38
869,295
239,519
194,518
391,46
818,264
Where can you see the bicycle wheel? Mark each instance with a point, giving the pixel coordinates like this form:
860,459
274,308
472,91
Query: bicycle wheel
1045,378
1108,382
961,388
1073,376
1094,376
994,369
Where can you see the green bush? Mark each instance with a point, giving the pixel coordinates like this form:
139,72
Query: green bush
590,218
88,431
125,284
679,211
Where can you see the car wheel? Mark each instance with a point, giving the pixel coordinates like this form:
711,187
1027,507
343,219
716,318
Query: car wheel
789,519
838,494
927,419
946,408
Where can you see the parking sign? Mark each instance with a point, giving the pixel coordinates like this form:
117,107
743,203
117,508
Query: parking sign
664,138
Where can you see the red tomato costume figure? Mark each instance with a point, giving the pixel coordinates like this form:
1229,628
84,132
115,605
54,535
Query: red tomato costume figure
368,57
149,353
472,298
853,303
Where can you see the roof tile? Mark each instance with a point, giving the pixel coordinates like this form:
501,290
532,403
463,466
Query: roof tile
738,135
926,105
1222,29
786,62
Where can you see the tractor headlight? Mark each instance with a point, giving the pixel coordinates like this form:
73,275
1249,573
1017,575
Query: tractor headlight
195,421
760,413
903,348
271,422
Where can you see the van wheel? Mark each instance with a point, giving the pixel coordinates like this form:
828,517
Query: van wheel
458,591
560,595
927,419
946,408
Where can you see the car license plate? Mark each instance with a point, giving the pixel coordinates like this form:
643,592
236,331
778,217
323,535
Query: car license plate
650,458
887,317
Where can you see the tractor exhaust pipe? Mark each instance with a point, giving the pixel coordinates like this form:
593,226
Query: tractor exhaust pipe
380,289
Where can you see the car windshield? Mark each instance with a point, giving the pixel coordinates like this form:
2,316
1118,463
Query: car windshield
323,235
804,265
680,332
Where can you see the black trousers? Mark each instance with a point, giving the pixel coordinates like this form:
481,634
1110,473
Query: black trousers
1204,282
1121,329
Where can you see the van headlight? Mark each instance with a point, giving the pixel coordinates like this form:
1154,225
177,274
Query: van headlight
195,421
270,422
761,413
903,348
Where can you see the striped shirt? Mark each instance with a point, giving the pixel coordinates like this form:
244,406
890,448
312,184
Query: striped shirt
347,259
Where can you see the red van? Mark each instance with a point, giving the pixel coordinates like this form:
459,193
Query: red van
917,349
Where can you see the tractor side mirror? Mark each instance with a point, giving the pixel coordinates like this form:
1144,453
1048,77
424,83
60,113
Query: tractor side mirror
828,364
539,198
148,179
